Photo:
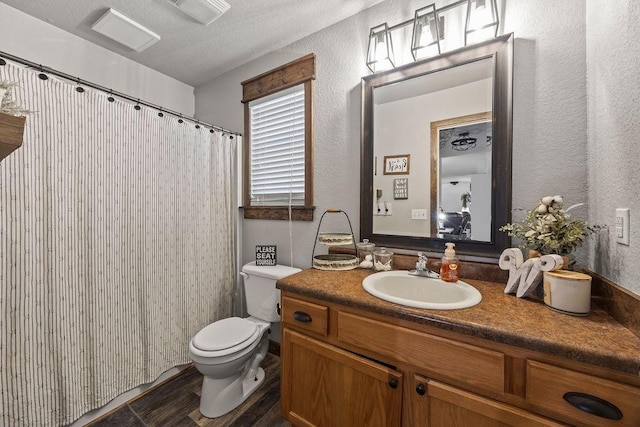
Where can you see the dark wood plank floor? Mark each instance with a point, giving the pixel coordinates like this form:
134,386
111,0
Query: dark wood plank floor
176,402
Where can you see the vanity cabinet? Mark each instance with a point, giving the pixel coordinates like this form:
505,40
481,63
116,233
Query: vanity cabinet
343,366
436,404
550,388
323,385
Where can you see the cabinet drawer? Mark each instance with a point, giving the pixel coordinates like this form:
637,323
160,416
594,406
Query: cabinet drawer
547,387
449,406
305,315
437,357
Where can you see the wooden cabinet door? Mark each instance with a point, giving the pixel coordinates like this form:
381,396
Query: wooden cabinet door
434,404
323,385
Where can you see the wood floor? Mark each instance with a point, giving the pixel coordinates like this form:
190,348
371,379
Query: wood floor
176,402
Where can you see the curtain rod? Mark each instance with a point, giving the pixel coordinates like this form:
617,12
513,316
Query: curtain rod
79,81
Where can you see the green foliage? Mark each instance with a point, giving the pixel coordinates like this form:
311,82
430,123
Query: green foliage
465,199
549,229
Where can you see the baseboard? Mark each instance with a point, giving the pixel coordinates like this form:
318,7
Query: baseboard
274,348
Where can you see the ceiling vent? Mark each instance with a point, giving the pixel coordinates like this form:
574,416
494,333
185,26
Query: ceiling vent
124,30
203,11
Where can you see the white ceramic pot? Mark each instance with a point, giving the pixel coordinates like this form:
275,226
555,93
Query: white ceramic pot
568,292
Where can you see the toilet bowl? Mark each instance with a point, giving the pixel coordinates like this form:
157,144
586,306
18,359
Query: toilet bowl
229,351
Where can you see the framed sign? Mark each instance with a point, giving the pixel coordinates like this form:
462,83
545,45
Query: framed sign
266,255
396,165
401,188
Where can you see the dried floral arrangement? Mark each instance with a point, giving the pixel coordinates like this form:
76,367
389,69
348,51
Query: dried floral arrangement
549,229
8,105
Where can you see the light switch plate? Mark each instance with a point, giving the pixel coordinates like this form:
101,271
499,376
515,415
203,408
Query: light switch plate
419,214
622,226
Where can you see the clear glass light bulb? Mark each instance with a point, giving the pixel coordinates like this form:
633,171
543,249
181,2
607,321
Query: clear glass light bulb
381,51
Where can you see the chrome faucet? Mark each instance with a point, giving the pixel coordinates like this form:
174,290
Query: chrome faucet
422,269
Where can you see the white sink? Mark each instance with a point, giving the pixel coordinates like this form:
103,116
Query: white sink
400,287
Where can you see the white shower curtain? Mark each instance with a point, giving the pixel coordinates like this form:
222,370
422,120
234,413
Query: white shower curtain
117,244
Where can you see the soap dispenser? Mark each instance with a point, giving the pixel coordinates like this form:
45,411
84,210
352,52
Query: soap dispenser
449,268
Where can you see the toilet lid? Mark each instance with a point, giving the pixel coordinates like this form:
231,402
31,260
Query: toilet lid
225,333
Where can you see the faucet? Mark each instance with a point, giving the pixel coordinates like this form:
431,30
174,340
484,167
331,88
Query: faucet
422,269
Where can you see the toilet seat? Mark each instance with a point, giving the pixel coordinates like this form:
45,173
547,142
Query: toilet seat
226,336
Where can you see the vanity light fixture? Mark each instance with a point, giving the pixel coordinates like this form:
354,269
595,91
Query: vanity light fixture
427,33
380,50
464,142
482,21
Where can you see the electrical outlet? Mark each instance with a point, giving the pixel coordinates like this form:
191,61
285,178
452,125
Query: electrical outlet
622,226
378,209
387,208
382,208
419,214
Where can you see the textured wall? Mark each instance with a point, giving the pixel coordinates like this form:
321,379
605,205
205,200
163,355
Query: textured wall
550,144
549,109
613,59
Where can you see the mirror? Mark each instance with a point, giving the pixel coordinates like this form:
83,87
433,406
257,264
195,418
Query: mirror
434,134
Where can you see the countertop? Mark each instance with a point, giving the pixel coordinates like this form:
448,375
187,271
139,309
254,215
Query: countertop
597,339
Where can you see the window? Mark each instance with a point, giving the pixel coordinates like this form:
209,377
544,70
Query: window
278,147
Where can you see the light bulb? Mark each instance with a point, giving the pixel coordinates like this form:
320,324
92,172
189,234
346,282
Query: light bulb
425,35
479,16
381,51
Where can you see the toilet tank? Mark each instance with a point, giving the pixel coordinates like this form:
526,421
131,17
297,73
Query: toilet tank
260,289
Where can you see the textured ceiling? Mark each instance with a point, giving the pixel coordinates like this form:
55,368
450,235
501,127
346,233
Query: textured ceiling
189,51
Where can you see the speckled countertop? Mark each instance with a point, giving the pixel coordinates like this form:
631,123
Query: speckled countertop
597,339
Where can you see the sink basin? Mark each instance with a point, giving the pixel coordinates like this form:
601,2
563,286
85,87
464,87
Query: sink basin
400,287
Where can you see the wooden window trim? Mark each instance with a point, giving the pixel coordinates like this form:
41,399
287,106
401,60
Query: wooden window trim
300,71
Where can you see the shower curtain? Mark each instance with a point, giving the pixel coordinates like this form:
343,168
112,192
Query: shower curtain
117,244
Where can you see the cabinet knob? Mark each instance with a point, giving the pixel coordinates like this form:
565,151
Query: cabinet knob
393,383
593,405
421,389
301,316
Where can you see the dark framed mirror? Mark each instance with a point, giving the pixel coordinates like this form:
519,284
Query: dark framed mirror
436,151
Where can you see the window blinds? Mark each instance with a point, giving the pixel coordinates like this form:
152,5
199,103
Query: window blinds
277,148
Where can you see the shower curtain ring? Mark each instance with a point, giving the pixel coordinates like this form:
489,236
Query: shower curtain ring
79,88
42,75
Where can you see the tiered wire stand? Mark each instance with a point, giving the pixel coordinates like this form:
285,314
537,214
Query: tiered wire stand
334,261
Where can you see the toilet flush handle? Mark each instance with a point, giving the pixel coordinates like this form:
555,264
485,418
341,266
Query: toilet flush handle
244,275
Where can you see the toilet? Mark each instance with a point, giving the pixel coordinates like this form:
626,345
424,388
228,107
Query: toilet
229,351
